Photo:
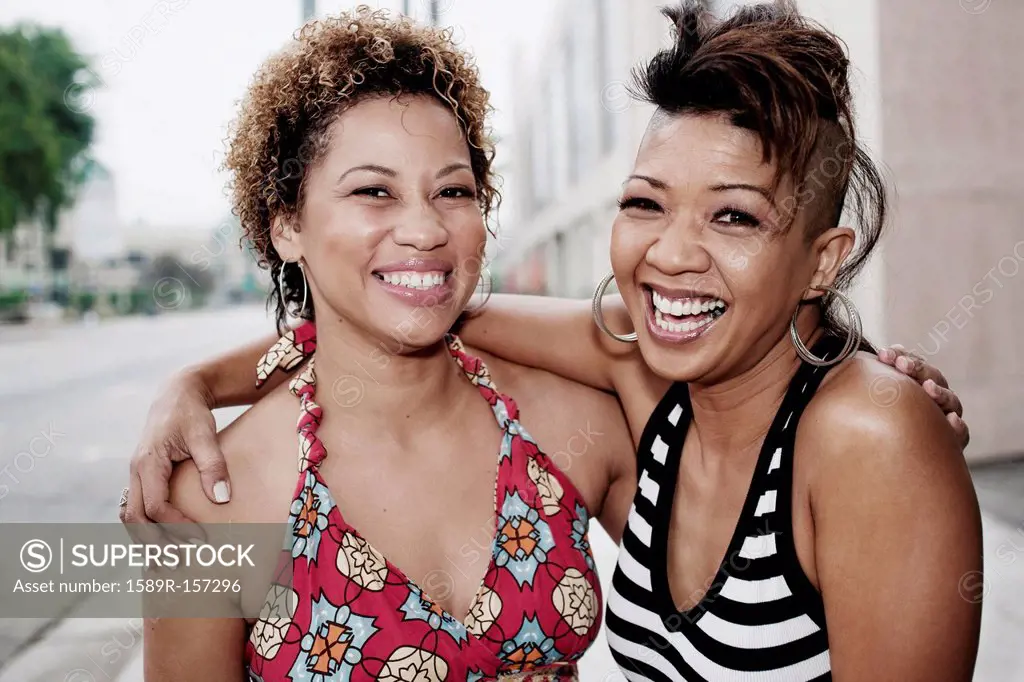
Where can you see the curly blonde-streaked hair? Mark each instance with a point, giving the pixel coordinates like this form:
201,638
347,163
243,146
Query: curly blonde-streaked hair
281,130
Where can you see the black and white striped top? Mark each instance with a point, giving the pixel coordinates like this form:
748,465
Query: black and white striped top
761,620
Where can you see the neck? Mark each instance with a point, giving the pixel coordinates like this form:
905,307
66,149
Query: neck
733,416
361,379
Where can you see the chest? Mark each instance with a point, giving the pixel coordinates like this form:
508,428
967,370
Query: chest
704,510
703,526
428,508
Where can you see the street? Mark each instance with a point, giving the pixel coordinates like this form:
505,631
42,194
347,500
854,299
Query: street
72,404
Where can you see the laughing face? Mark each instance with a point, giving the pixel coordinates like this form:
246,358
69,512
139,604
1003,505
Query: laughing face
390,230
709,268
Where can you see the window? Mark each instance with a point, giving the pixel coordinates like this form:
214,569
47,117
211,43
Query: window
602,40
583,91
572,106
560,122
540,156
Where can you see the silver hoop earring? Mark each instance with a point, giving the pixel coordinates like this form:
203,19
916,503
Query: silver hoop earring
853,336
599,316
300,313
486,284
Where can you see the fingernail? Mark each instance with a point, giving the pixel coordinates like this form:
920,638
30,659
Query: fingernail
903,363
929,386
221,492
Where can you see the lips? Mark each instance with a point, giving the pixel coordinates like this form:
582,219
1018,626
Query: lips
677,316
417,281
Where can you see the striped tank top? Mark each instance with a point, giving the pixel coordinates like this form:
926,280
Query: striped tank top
761,620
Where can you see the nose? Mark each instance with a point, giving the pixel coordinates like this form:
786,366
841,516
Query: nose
679,249
421,227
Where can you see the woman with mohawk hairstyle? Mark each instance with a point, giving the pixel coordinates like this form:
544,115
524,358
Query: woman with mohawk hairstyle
779,525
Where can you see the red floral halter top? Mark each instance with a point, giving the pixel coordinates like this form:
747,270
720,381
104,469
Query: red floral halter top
342,611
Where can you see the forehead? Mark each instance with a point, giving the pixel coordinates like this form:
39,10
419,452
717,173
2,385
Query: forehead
388,124
687,147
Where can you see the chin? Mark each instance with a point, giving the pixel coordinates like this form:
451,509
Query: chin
674,364
417,328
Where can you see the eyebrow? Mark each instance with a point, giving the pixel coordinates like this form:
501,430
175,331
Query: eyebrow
372,167
763,191
653,182
391,173
451,168
658,184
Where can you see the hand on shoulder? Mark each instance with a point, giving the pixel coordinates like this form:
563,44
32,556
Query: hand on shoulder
260,450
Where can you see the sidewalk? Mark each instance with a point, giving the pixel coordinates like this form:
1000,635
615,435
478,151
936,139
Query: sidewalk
110,650
1001,656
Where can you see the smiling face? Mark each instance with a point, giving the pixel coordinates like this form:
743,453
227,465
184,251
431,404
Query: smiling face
710,270
390,229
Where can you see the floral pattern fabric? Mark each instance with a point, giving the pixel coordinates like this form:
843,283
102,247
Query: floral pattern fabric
339,610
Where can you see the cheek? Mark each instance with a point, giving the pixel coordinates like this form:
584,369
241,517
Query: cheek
759,277
628,247
338,229
467,239
337,247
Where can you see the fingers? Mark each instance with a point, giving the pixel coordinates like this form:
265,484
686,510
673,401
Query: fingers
963,432
945,398
154,475
911,364
133,516
889,355
213,469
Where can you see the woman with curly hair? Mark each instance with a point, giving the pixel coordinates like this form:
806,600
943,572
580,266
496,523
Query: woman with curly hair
430,538
779,524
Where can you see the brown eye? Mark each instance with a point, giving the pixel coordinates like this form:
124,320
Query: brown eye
457,193
373,192
639,203
732,216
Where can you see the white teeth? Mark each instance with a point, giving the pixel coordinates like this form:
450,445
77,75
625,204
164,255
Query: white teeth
684,326
414,280
682,307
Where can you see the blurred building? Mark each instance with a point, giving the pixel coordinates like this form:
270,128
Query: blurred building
87,232
24,260
939,94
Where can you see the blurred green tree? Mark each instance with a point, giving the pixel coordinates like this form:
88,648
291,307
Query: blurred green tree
45,125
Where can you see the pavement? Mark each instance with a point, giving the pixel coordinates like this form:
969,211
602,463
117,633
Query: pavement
75,399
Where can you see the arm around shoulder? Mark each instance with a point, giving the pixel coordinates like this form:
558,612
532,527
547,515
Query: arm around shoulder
554,334
897,530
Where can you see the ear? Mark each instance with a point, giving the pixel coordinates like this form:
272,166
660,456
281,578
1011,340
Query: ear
832,247
286,238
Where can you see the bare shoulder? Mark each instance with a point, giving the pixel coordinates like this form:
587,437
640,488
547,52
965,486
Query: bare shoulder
894,520
582,429
869,401
871,428
259,448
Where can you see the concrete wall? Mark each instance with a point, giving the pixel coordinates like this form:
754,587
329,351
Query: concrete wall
953,86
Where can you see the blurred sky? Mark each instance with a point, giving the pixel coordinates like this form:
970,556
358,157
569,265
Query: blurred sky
174,70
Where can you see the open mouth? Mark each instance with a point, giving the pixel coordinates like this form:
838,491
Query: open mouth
682,317
414,279
420,284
